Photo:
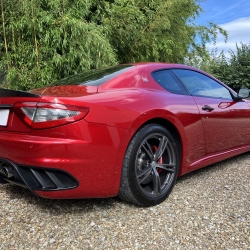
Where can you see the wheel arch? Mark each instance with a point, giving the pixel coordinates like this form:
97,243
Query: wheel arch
166,124
169,122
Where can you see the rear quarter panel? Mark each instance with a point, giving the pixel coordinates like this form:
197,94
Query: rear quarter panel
131,108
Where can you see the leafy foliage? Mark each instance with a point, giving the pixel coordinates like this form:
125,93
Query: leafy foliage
155,30
44,40
47,40
235,70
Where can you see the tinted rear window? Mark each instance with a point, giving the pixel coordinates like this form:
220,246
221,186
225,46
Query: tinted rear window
169,82
94,77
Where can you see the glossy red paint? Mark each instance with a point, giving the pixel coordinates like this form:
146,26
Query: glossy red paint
67,90
92,149
227,126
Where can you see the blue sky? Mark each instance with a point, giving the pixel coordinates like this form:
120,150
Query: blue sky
231,15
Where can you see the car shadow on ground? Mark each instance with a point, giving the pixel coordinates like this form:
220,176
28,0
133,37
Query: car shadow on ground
58,207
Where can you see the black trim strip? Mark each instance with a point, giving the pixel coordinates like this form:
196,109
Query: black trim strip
15,93
5,106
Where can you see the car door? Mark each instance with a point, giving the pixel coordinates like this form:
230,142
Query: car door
226,121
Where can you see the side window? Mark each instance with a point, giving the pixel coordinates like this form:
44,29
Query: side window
169,82
202,85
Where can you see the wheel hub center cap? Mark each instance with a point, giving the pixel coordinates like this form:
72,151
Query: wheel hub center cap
153,164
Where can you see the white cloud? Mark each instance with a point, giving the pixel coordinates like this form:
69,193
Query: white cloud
238,31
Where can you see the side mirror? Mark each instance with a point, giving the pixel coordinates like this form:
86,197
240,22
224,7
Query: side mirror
244,93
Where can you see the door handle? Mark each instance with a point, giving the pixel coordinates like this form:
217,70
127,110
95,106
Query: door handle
207,108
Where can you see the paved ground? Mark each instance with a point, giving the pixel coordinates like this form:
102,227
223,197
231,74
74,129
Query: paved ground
208,209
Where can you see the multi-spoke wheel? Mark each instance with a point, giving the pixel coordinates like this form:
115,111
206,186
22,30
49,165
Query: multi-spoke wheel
150,166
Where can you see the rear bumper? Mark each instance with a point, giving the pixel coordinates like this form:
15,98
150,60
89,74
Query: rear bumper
85,163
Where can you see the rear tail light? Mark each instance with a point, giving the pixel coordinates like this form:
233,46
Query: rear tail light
47,115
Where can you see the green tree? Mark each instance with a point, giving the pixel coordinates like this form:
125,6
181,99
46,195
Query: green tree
157,30
44,40
234,70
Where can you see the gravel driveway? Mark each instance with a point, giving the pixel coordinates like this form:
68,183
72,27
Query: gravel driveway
208,209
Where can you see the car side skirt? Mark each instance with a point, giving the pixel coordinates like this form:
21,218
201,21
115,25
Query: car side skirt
214,158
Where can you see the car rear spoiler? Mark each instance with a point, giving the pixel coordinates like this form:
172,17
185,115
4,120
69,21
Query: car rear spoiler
15,93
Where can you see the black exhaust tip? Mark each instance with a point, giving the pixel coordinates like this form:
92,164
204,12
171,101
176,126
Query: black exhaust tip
6,171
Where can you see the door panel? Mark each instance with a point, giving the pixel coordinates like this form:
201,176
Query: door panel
226,122
226,126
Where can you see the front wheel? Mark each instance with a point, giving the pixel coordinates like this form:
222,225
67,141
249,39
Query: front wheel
150,166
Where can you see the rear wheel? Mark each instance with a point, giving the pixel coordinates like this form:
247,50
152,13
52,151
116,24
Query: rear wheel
150,166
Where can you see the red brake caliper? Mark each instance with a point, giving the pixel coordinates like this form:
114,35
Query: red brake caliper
159,170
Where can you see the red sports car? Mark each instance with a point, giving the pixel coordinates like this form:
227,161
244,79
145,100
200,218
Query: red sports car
127,130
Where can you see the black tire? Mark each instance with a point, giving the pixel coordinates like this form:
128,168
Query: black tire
150,166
